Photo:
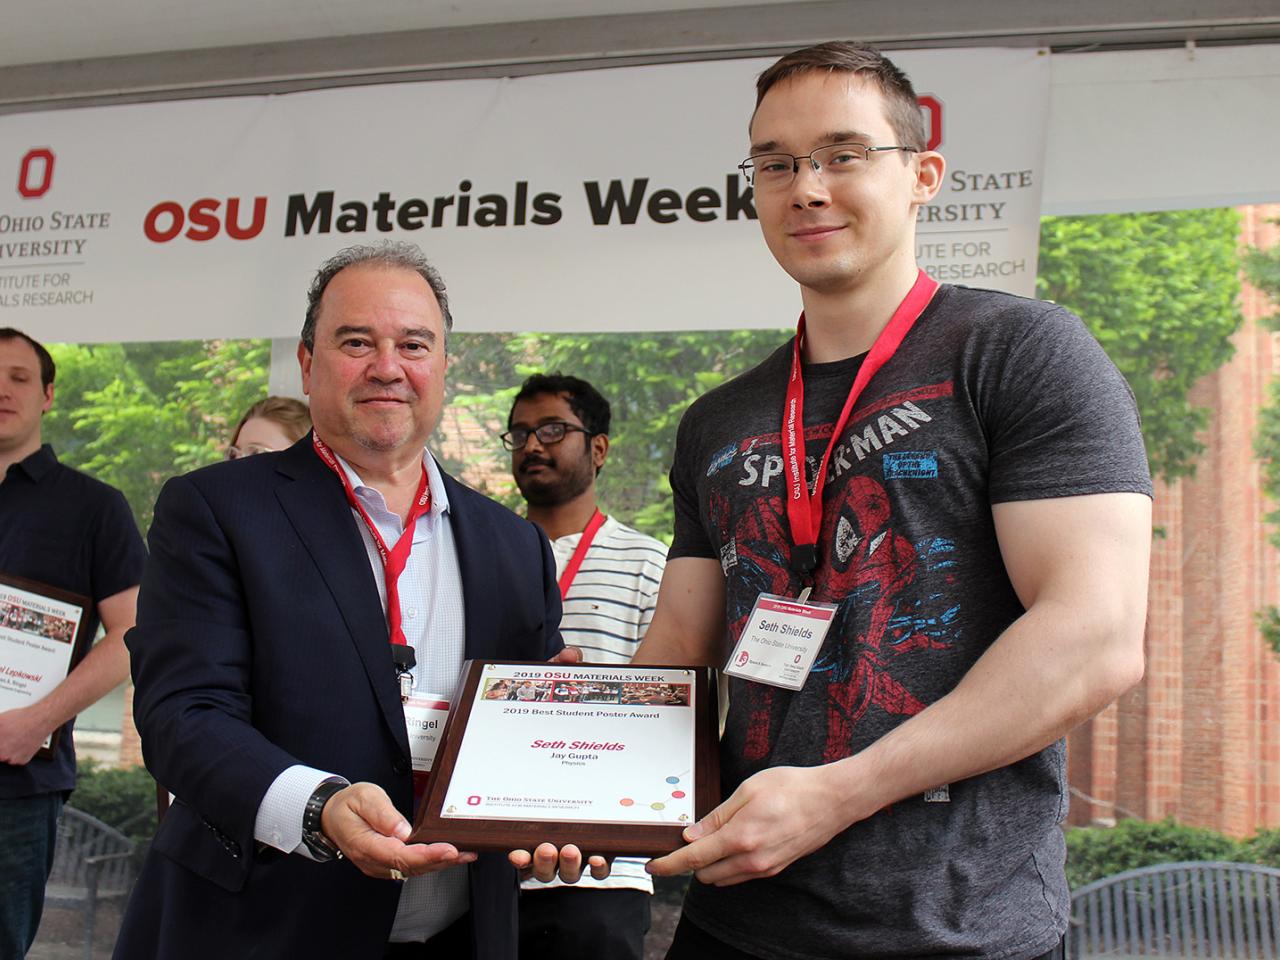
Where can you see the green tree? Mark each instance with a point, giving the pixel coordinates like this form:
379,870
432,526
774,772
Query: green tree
649,380
134,415
1262,267
1159,291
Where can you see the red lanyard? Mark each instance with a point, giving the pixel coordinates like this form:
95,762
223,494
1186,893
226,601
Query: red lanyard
804,512
393,560
580,552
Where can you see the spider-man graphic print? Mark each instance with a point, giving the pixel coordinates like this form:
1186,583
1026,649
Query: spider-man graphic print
891,594
990,399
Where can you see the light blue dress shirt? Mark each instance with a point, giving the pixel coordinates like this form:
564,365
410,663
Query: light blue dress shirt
435,626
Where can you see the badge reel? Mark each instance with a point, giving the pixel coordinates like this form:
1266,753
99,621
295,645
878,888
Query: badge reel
405,659
424,716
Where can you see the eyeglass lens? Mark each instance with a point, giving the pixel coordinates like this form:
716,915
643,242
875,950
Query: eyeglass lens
547,433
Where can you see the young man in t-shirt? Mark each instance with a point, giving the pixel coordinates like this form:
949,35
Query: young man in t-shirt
62,529
558,435
980,543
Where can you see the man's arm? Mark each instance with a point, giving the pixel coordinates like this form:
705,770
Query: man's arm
372,833
105,667
1079,566
192,658
688,625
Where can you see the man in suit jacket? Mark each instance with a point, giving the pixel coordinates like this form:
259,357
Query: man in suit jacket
266,693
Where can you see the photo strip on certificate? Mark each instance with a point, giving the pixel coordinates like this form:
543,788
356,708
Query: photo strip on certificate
43,635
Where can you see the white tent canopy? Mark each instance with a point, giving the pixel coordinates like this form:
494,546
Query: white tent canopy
1113,120
61,52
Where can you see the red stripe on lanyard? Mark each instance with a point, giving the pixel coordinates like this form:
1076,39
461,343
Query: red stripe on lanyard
580,552
804,512
395,559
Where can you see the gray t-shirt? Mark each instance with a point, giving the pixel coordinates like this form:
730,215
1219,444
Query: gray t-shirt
990,398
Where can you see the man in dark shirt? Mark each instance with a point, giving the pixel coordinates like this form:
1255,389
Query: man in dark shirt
939,496
61,528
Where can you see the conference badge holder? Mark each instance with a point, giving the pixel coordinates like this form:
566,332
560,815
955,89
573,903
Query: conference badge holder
781,640
425,718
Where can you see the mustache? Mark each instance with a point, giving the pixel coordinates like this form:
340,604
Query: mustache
535,461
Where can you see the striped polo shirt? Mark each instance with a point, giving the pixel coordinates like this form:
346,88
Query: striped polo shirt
611,600
606,613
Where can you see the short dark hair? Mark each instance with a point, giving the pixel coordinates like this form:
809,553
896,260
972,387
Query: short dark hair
48,369
387,254
840,56
584,400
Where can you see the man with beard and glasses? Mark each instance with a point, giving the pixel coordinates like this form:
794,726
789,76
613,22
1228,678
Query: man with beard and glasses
558,435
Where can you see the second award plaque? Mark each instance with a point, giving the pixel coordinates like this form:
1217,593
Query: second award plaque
44,633
615,759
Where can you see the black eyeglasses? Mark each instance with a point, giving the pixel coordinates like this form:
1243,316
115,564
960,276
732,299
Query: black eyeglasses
547,434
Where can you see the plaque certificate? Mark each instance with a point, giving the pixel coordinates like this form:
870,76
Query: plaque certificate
617,759
43,635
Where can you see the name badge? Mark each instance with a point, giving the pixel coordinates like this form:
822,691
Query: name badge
424,717
780,641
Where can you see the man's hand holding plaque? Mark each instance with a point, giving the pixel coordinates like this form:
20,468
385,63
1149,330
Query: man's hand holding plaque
547,862
365,825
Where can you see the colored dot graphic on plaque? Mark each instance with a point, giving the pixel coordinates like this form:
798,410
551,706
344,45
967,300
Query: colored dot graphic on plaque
678,794
626,802
673,779
657,806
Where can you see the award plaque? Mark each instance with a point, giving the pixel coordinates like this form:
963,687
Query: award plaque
44,633
617,759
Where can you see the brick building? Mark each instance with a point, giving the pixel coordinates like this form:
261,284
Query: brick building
1199,739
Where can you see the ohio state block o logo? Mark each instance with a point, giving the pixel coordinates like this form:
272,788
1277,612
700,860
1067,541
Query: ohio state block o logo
932,108
35,176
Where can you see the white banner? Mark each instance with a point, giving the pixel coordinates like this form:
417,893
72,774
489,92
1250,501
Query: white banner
1163,130
605,200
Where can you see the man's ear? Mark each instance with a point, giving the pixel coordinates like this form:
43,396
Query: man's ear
304,364
48,400
599,449
930,167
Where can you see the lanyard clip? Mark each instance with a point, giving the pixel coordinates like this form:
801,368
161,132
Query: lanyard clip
804,558
405,659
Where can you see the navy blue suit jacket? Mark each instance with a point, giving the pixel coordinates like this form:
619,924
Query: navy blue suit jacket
261,643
